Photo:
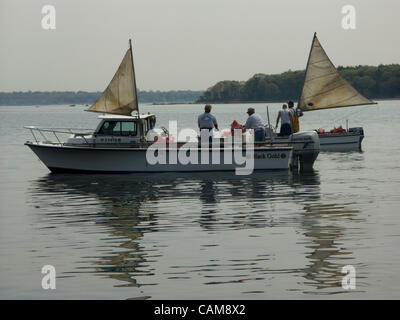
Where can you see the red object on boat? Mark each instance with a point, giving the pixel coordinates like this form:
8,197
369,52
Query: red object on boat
236,125
320,131
337,130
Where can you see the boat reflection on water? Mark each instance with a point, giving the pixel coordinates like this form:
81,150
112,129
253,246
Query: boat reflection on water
325,226
130,207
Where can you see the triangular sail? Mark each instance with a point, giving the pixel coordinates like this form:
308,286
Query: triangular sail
120,96
323,86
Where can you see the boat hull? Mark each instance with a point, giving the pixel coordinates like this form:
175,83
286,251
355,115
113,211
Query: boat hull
61,158
340,142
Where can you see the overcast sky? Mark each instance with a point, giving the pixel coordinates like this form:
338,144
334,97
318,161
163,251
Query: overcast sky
184,44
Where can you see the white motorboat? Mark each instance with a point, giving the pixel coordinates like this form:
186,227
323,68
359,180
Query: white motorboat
348,140
121,143
324,88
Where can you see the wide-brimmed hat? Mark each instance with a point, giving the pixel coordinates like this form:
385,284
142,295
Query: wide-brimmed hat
250,110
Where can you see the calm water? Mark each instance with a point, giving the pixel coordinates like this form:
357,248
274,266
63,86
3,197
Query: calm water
203,236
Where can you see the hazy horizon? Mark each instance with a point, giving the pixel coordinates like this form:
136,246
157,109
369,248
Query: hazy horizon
184,44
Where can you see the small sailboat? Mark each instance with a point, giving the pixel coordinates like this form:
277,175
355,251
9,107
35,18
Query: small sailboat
325,88
124,143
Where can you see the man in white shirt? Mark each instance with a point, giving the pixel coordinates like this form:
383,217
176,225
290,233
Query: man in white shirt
286,118
255,122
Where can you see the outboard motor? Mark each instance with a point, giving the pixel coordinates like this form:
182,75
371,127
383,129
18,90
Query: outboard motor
357,130
305,150
269,132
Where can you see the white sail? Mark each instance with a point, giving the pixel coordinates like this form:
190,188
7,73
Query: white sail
323,86
120,95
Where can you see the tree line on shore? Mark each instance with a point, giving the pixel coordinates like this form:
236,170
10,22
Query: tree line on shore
83,97
381,82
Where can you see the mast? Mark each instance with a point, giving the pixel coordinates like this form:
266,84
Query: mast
134,79
305,71
269,127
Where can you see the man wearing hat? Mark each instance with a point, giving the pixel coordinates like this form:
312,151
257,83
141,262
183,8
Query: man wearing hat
255,122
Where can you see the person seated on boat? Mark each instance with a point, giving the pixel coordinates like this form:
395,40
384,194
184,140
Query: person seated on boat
286,117
296,113
255,122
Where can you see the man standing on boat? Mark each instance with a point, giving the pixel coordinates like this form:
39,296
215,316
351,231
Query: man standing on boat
255,122
286,118
206,120
296,113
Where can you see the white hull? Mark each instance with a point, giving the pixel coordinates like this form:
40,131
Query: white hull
339,142
62,158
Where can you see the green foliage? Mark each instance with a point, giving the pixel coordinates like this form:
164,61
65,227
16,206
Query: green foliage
381,82
374,82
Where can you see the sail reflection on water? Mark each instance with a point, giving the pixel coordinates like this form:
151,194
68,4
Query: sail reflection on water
323,226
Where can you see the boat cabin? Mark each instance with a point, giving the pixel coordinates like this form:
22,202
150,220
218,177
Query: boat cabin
118,129
124,129
125,126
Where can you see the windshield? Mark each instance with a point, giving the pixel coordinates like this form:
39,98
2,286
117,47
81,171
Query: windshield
118,128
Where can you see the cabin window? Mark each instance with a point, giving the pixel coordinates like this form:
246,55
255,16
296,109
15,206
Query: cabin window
118,128
128,128
151,122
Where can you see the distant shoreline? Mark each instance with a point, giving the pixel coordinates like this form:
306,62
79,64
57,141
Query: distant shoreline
34,98
375,82
174,103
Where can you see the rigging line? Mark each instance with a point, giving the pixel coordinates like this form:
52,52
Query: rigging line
351,114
